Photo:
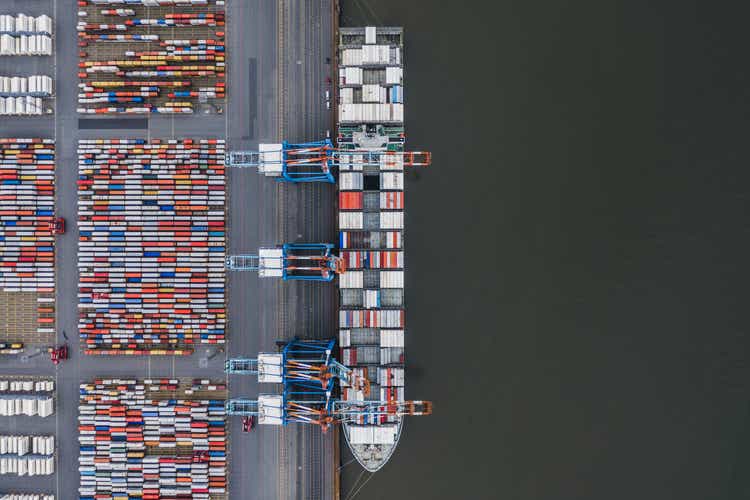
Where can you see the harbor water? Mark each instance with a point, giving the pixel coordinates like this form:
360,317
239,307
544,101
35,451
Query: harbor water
576,254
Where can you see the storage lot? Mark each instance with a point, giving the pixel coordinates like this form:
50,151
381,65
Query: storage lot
28,408
27,278
23,63
156,438
140,59
152,242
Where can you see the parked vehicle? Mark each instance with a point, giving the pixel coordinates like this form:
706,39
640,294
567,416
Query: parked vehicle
248,424
57,226
58,353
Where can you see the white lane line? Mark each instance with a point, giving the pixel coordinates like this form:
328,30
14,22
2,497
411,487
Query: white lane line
58,448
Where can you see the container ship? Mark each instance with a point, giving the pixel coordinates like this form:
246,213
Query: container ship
371,232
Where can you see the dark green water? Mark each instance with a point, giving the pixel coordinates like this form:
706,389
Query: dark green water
577,253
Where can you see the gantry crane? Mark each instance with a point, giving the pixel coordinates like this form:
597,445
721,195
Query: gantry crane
305,363
293,261
316,161
281,409
308,371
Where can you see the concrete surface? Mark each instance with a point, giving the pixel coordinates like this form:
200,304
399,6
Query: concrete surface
262,36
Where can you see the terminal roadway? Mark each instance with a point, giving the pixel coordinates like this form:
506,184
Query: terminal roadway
277,73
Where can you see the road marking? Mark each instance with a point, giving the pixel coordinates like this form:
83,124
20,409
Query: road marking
58,447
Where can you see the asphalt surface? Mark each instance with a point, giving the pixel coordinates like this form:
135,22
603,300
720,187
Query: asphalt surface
265,105
307,215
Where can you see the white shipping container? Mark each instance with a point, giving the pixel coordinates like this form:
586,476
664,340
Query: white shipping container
393,75
392,181
391,279
346,95
392,220
351,279
26,406
351,181
26,496
391,338
371,299
371,112
397,112
351,57
345,338
350,220
371,93
372,434
376,54
352,76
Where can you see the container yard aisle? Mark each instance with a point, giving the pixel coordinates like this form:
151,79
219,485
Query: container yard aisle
252,118
68,373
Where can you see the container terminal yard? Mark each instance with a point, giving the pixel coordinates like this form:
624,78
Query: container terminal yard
121,364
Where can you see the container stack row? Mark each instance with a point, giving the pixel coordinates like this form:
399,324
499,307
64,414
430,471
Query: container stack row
27,190
23,35
25,445
28,405
27,397
11,347
21,106
164,57
22,95
11,386
156,3
27,466
35,85
22,24
152,439
151,217
27,196
26,496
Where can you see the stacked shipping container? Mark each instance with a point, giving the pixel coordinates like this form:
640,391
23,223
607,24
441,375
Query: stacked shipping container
371,216
152,439
27,455
22,95
155,57
26,496
23,35
152,245
36,85
370,79
27,196
26,397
